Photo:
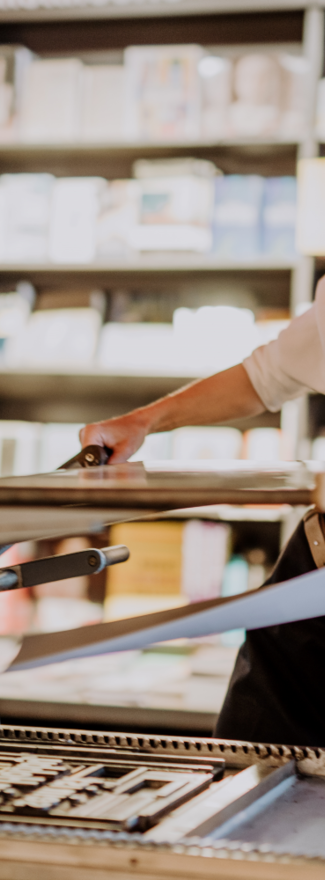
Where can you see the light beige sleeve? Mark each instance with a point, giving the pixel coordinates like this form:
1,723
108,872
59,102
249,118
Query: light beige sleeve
292,364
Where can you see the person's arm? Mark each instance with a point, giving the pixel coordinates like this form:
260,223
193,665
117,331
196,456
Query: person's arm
227,395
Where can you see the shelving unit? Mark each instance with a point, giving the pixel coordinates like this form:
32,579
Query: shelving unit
283,283
93,395
113,25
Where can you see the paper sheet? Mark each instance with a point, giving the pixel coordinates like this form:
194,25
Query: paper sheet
297,599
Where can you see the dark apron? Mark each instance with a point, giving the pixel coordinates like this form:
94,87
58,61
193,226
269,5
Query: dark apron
277,689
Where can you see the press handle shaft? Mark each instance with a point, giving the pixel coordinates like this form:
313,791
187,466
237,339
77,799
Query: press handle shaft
58,568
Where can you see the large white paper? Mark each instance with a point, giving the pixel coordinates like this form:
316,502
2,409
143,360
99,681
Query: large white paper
297,599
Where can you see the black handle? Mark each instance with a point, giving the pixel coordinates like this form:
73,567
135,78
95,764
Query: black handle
90,456
58,568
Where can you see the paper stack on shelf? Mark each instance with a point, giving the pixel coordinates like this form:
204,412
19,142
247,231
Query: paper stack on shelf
176,93
257,89
279,216
320,110
213,338
25,206
117,218
56,338
175,214
163,92
206,443
14,61
175,204
19,448
129,349
238,216
269,94
152,578
215,74
205,553
264,444
75,206
295,72
51,101
103,103
14,312
170,562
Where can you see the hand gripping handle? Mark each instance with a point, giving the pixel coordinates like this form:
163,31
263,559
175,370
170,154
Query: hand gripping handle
90,456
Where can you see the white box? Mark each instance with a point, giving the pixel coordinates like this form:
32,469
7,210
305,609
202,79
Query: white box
63,338
75,207
103,103
51,101
25,203
163,92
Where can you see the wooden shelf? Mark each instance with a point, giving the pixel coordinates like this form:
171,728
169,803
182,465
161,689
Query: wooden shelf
160,263
141,9
86,396
236,155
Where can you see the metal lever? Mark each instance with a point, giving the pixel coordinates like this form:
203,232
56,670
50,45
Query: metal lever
58,568
90,456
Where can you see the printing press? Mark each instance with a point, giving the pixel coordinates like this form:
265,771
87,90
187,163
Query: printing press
77,803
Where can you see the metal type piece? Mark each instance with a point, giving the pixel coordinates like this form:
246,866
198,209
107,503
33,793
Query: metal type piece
56,568
38,765
112,793
89,457
297,599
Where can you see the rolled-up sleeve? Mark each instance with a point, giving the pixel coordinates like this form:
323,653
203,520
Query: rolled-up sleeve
295,362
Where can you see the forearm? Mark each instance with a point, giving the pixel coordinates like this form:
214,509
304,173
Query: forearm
220,398
225,396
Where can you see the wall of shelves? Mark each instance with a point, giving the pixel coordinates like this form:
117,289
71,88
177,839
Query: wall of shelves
54,395
281,283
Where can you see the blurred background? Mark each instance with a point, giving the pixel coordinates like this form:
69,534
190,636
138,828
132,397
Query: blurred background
162,213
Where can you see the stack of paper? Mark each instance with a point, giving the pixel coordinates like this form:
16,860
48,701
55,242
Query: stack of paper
75,207
213,338
163,92
14,312
205,553
151,580
206,443
279,216
103,103
137,349
175,213
117,218
215,74
264,444
25,204
51,101
61,338
238,216
14,61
